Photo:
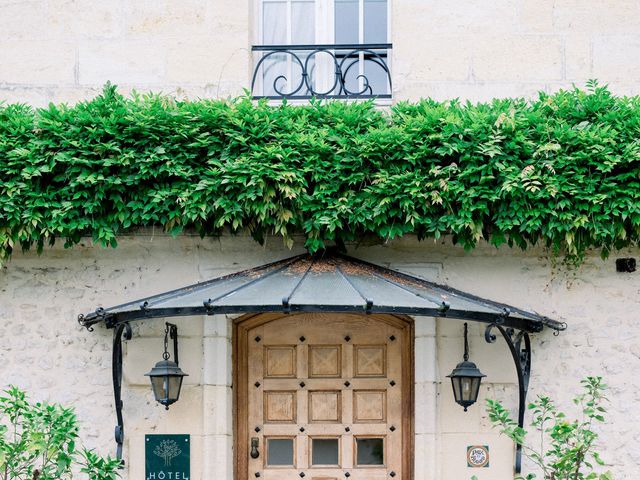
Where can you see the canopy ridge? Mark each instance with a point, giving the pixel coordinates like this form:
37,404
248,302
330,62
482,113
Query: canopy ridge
210,302
285,300
368,301
447,290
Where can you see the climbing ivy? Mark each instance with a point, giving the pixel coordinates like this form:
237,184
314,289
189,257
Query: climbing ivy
563,170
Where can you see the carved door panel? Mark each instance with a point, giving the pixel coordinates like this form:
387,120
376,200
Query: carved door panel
326,398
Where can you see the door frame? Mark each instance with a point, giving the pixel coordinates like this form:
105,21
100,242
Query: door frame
241,328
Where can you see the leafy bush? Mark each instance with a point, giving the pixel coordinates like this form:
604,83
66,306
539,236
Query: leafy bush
564,449
563,170
38,441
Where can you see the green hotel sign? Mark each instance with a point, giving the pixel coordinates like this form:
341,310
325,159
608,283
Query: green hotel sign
167,457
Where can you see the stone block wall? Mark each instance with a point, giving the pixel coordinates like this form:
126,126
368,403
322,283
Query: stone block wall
478,50
46,352
65,50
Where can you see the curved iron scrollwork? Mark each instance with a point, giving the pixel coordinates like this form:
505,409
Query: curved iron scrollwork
346,70
120,331
520,347
99,314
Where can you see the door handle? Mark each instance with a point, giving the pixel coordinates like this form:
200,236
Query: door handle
255,442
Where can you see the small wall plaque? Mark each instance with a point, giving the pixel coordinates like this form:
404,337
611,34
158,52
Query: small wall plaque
478,456
167,457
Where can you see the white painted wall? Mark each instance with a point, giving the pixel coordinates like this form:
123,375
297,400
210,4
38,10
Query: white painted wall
45,351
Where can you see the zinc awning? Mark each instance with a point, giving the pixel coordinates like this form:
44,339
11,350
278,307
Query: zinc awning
321,283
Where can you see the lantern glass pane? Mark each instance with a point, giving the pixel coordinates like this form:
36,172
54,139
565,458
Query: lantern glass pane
160,387
475,388
455,382
174,387
466,387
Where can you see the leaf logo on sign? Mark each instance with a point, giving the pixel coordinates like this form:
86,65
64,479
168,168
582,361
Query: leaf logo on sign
167,450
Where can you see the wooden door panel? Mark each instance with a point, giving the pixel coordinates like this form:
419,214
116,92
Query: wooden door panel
280,406
370,406
325,361
370,360
317,383
324,406
280,361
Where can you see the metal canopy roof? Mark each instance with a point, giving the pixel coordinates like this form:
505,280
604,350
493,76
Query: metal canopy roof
329,283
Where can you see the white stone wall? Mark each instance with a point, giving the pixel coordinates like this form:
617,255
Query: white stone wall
65,50
474,49
45,351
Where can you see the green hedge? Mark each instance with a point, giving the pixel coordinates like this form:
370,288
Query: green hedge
563,170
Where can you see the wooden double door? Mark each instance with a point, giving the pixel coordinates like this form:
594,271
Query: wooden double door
324,397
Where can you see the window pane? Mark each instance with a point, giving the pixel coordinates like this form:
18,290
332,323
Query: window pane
324,451
376,75
346,21
274,75
370,451
350,70
280,451
303,28
274,23
375,21
316,79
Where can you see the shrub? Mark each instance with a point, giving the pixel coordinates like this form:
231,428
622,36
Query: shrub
38,441
562,170
561,449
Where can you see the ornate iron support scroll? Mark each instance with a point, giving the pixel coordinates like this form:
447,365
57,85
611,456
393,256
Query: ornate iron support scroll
521,354
122,329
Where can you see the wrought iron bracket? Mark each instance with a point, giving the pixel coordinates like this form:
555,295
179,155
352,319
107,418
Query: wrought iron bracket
519,345
121,331
172,331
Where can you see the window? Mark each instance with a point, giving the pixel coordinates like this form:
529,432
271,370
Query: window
325,452
369,451
280,452
327,48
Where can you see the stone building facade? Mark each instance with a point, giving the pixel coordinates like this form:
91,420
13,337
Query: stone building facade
42,295
65,50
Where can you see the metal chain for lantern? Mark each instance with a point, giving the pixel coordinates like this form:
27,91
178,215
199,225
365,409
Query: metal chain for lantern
166,355
466,343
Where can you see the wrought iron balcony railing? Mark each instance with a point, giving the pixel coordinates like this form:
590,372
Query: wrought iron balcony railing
322,71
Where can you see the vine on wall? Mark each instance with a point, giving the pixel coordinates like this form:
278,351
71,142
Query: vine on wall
563,170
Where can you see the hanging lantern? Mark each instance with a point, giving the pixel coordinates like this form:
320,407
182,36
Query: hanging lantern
166,376
466,378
